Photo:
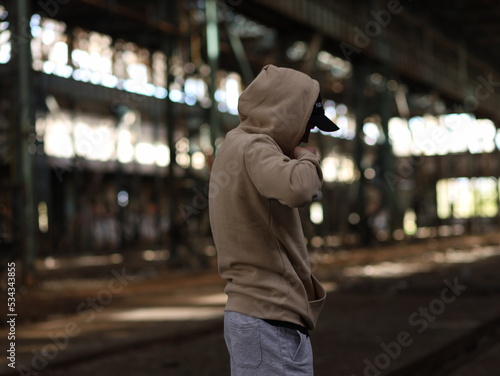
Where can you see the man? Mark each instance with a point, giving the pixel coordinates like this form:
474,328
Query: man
259,178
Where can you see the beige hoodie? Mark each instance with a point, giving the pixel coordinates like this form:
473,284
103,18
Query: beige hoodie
256,186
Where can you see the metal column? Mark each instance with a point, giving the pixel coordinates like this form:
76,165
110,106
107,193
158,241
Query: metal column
25,140
360,72
168,12
213,60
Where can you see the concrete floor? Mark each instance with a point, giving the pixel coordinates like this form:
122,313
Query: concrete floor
427,309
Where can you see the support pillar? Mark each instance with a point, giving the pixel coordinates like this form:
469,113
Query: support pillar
168,11
239,52
387,164
25,140
213,61
360,72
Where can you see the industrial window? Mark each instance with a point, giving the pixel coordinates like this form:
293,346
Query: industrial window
467,197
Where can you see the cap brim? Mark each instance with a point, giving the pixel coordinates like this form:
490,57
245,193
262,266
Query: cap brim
323,123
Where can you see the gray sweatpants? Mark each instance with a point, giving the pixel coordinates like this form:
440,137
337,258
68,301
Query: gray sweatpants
257,348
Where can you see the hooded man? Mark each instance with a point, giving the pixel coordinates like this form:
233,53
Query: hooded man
260,177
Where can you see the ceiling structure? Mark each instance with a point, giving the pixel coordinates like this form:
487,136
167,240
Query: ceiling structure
449,47
475,23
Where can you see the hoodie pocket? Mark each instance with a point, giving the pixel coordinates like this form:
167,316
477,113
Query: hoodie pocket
315,306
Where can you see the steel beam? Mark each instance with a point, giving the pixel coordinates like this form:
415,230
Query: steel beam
239,52
213,61
25,141
407,59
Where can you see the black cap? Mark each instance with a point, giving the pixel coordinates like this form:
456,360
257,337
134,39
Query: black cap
319,119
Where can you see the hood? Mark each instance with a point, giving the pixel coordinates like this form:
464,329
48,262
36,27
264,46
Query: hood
278,102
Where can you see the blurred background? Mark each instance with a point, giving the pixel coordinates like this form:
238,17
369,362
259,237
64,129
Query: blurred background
110,113
111,110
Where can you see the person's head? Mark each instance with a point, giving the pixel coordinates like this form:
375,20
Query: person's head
279,102
318,120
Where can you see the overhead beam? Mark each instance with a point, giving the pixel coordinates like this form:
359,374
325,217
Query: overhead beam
408,60
240,54
132,14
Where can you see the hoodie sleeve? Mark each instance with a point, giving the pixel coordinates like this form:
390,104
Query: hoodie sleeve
293,182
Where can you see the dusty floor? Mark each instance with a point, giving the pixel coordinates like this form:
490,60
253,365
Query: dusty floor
426,310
